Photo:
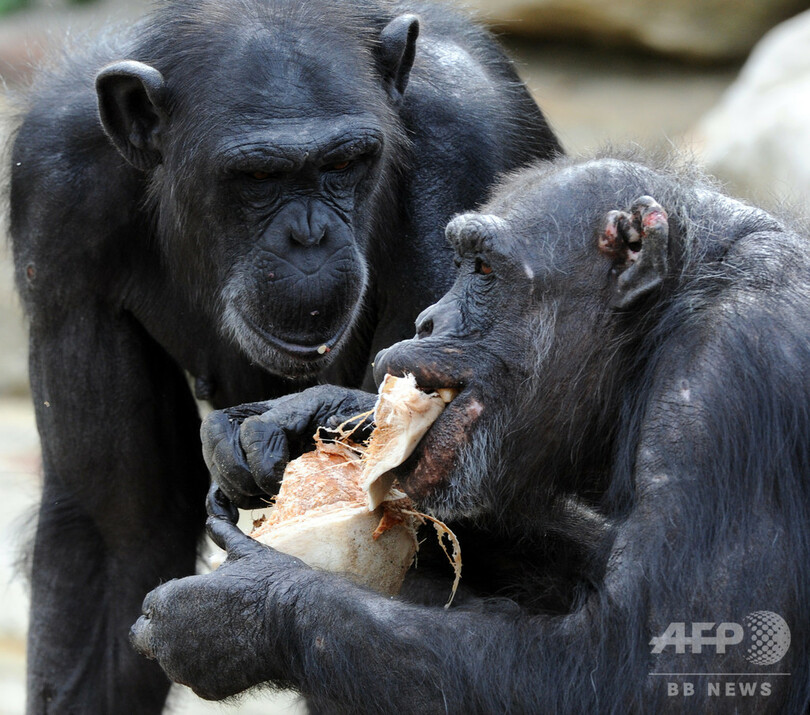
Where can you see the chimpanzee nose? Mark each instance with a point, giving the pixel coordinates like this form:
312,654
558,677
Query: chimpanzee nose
308,225
307,237
441,318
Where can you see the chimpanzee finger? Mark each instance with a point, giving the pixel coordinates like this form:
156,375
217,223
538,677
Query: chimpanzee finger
226,461
218,505
228,536
142,631
266,448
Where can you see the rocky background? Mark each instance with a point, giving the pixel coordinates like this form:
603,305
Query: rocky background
726,82
702,30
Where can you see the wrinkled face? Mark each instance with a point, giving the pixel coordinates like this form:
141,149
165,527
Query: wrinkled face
280,191
483,339
524,335
297,272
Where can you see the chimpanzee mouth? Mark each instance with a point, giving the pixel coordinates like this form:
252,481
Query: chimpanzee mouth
436,454
291,349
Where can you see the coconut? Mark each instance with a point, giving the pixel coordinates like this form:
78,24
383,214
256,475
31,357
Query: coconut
320,516
337,508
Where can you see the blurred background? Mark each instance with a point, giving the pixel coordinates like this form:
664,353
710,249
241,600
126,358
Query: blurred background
725,82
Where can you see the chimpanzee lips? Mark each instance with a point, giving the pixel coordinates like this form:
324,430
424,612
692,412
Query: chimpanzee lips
291,348
436,454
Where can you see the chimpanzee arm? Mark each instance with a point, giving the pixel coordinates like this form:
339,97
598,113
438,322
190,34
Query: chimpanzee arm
265,617
121,507
123,492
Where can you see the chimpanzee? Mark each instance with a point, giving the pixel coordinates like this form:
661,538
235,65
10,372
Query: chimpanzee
248,195
632,350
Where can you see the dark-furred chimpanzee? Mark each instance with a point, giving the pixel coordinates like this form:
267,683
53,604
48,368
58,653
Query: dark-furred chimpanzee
631,347
249,192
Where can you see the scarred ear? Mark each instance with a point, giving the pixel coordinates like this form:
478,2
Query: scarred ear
131,99
638,243
396,53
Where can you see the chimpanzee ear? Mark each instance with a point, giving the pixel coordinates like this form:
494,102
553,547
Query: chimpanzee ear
396,53
638,243
131,98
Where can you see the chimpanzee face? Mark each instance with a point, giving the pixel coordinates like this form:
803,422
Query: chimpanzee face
296,225
292,165
270,168
520,333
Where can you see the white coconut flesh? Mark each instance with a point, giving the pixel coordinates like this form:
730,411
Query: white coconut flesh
341,541
402,415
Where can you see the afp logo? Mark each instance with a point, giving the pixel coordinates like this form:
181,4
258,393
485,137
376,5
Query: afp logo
766,636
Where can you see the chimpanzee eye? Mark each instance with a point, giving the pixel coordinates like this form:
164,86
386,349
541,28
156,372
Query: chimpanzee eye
482,267
338,165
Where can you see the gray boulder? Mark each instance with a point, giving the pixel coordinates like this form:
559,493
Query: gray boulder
758,137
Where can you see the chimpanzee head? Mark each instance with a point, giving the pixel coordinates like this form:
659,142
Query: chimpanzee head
268,137
554,276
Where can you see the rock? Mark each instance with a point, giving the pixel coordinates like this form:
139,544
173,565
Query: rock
758,137
13,334
701,29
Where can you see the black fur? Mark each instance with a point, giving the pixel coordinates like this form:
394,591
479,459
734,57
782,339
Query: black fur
664,441
189,217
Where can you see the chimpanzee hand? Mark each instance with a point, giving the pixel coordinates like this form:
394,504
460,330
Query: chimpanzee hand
221,633
247,447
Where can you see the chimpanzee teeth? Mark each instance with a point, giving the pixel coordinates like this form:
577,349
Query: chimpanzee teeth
448,394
